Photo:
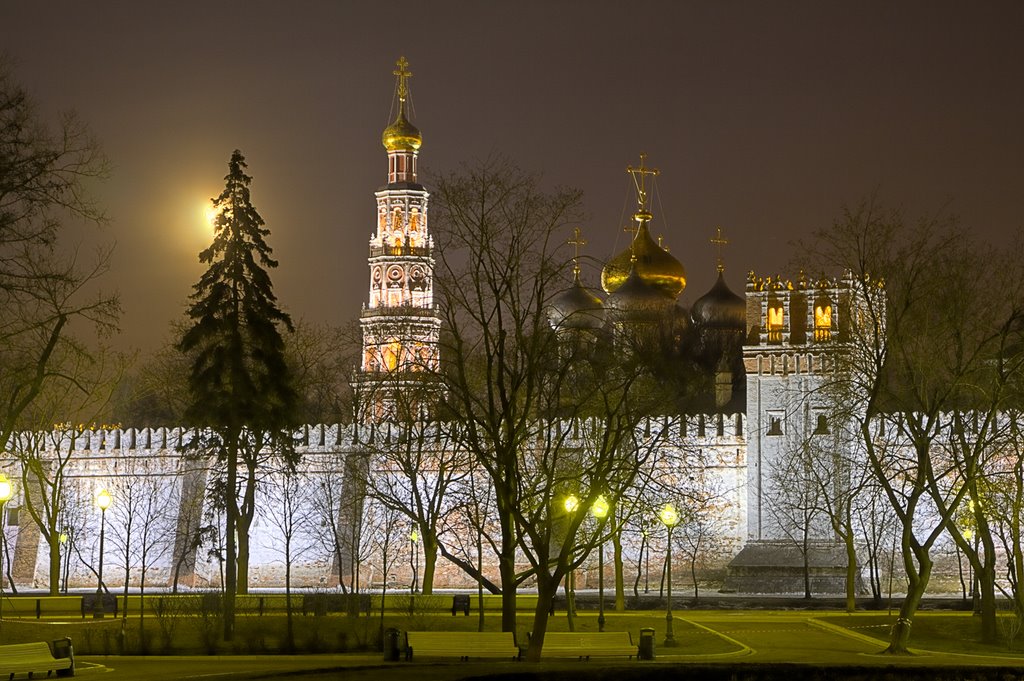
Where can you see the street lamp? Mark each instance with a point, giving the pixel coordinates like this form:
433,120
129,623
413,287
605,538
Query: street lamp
600,511
669,518
571,503
414,538
103,500
65,552
6,492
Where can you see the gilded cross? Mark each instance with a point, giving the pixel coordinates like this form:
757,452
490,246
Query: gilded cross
576,242
403,74
718,240
639,179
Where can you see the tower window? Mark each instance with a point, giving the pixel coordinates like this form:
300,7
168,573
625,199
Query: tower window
823,322
821,426
774,424
776,322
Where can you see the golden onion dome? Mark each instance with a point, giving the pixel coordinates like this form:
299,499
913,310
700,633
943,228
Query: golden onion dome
638,299
654,265
401,135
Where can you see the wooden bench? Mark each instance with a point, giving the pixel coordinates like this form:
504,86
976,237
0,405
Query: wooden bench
588,644
35,658
461,644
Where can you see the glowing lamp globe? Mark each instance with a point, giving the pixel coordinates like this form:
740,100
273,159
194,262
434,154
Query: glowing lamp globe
103,499
571,503
600,508
669,516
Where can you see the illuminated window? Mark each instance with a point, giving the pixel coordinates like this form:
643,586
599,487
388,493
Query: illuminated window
823,322
414,220
391,354
776,321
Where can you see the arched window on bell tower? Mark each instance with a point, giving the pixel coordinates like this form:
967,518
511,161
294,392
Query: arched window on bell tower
822,320
776,320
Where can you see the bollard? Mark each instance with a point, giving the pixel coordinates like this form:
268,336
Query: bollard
646,648
391,645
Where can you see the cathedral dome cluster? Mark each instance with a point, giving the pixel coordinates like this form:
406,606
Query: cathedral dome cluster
701,348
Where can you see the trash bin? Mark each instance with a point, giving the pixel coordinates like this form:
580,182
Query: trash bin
62,648
646,649
391,644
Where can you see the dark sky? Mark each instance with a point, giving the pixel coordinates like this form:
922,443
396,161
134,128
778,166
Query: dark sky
763,117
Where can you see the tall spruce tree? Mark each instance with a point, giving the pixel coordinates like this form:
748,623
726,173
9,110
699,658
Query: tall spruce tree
240,388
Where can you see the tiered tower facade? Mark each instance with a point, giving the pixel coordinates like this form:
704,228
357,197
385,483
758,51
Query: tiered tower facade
796,330
400,324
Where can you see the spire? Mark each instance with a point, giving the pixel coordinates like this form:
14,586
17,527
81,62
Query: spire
403,74
576,242
640,181
402,135
718,240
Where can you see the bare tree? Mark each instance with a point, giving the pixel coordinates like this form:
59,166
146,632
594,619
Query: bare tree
47,288
287,511
917,342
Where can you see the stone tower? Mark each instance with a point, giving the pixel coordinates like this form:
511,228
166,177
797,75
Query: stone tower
796,330
400,324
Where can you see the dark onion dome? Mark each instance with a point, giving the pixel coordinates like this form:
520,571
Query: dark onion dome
720,308
401,135
654,265
576,308
638,300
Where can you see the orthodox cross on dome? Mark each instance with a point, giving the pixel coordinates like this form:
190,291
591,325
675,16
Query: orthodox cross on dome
718,240
404,74
576,242
640,181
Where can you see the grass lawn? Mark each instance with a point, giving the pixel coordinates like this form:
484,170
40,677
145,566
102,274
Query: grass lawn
944,632
332,633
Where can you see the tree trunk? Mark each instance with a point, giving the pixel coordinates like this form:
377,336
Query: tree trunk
917,579
851,570
429,564
242,558
507,569
290,627
53,542
230,513
546,587
620,580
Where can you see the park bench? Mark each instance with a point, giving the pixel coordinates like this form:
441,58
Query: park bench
461,644
587,644
35,658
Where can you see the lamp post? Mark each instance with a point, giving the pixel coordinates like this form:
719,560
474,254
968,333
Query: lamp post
6,492
572,503
103,500
65,552
414,538
600,511
669,518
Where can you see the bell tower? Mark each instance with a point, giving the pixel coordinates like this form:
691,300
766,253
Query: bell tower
400,324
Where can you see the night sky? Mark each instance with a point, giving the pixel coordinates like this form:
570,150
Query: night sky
763,117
